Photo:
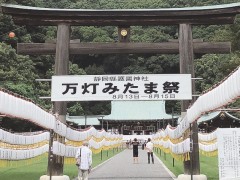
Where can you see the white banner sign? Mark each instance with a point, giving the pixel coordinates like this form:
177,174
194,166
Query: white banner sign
228,140
121,87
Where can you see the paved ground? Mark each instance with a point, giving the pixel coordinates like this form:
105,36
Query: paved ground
121,167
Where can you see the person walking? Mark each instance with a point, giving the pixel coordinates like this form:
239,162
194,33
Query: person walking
84,161
127,144
135,144
149,147
144,145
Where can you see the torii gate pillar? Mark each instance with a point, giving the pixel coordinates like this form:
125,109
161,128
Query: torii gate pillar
191,168
55,163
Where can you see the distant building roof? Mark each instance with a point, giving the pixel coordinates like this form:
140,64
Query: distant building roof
137,110
80,120
213,115
208,116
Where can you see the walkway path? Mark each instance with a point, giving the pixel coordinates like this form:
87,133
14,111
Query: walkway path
121,167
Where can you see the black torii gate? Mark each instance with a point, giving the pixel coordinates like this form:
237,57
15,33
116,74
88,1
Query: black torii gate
186,46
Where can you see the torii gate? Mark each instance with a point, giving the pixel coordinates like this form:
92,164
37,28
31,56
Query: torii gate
186,46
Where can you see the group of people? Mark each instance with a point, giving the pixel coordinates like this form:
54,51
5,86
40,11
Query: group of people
148,147
84,157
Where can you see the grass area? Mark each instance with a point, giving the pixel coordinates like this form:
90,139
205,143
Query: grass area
208,165
22,171
34,170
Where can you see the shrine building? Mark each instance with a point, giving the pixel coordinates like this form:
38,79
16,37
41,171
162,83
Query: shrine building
218,119
129,118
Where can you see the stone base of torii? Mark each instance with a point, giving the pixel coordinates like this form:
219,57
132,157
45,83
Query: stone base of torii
194,177
63,177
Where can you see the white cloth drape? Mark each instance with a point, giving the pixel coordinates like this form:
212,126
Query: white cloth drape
12,154
11,138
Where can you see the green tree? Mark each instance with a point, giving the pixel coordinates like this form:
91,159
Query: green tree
16,71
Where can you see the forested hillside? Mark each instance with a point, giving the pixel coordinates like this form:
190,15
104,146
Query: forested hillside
18,73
